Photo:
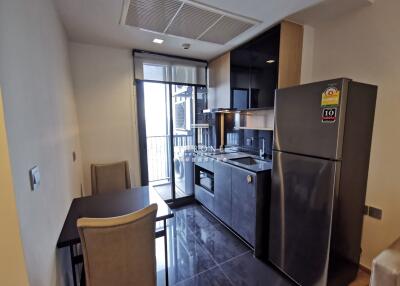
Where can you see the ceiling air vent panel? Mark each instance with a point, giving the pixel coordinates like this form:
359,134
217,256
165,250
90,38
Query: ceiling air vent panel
225,30
192,21
187,19
152,15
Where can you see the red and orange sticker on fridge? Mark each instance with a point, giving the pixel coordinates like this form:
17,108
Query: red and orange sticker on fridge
329,115
330,97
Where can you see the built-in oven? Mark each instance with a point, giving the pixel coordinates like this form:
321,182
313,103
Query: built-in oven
204,179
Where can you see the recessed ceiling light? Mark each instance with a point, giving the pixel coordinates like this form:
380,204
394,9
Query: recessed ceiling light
270,61
158,41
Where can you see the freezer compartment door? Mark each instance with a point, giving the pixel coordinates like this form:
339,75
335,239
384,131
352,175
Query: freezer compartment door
302,196
305,124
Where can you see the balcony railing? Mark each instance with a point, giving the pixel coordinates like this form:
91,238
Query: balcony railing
158,154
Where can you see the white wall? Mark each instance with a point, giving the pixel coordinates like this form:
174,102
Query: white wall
104,92
42,129
364,45
12,263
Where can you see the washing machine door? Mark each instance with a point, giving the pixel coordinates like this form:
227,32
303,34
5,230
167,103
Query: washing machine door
179,168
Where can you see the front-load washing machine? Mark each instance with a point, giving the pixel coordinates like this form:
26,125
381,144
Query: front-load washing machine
183,164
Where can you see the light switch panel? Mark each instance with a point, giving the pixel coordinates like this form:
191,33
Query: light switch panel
34,178
375,213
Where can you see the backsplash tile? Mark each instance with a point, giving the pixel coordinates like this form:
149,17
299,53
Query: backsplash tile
250,140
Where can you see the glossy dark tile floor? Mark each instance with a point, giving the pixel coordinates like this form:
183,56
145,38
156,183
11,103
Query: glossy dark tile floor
204,252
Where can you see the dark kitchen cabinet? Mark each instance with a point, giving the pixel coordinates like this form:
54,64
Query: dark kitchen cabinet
204,197
241,201
247,76
203,182
244,204
240,77
264,61
254,71
222,191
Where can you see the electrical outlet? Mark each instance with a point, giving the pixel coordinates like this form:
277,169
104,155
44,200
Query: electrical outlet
34,178
375,213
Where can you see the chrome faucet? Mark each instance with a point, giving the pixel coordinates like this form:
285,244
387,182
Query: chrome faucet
249,141
262,150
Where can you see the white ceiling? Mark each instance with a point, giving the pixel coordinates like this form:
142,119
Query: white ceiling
328,10
97,22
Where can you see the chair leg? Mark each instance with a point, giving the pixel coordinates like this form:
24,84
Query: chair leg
166,253
83,277
71,252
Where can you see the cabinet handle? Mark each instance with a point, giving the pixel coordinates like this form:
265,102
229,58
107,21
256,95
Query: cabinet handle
249,179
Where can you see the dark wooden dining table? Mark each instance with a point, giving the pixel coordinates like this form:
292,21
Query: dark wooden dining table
110,205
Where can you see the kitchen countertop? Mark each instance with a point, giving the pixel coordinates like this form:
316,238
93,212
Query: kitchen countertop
265,165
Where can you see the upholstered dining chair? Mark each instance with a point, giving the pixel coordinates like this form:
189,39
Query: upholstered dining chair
110,177
386,266
120,250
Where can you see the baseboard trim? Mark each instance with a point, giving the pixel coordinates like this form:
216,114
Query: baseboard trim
365,269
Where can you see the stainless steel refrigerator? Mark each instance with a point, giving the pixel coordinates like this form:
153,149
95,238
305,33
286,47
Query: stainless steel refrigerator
321,150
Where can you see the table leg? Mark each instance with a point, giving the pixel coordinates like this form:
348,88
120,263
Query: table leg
71,252
166,253
83,277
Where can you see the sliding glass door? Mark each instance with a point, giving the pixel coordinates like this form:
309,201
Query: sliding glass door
167,87
157,123
167,138
183,99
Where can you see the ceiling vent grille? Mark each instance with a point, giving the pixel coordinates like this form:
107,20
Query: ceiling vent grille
186,19
192,21
152,15
225,29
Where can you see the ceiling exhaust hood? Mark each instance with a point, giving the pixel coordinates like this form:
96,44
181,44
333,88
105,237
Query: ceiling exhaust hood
187,19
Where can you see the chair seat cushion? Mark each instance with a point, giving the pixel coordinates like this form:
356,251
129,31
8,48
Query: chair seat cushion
386,267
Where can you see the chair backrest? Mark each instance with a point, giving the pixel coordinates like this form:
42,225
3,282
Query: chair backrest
110,177
120,250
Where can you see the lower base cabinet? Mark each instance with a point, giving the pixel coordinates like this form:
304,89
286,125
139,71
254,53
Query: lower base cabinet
244,204
204,197
222,192
240,200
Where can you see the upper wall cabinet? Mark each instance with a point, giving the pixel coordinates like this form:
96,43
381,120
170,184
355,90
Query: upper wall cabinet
241,77
247,76
219,82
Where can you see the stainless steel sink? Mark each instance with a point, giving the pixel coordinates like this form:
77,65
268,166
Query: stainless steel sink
247,161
